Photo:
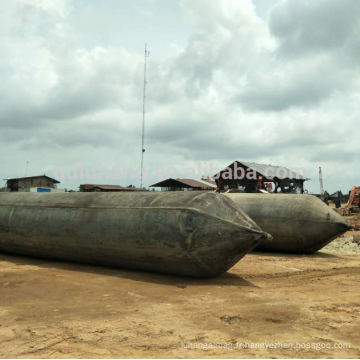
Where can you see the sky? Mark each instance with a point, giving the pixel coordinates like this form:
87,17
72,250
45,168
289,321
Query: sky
270,81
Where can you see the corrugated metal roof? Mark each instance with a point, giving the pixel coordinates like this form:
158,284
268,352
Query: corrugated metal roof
196,183
189,183
34,177
108,187
268,171
271,171
117,187
208,183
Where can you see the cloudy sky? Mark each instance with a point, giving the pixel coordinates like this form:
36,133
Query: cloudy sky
270,81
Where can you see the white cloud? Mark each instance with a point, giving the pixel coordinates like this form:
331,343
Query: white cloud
314,26
59,8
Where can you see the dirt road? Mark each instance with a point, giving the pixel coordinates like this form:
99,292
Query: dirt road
52,309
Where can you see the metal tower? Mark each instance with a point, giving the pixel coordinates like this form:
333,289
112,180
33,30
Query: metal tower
321,182
146,55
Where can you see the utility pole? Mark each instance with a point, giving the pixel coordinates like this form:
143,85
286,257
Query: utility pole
321,182
146,55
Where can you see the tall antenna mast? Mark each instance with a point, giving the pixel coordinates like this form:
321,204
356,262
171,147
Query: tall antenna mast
146,55
321,182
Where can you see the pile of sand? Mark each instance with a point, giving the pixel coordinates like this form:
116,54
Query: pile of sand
349,244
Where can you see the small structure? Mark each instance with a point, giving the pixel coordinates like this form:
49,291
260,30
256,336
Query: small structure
41,183
99,188
205,184
251,177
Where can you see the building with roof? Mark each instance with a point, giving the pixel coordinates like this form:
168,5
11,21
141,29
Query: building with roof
41,183
178,184
253,177
102,188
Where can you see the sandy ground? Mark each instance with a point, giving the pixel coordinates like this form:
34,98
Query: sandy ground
348,244
266,306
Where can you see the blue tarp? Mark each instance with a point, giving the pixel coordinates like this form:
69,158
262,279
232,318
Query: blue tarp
43,190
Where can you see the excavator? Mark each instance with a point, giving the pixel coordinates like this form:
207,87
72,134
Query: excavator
354,200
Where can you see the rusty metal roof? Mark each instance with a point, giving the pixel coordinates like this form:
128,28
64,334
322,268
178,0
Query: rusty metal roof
187,183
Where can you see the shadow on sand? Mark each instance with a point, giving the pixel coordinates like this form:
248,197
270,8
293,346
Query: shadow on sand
136,275
318,254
